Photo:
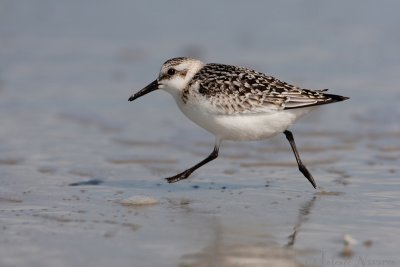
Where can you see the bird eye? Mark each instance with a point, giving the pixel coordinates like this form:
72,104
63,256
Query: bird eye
171,71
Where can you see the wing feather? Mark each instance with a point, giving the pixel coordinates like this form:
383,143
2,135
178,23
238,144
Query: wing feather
236,90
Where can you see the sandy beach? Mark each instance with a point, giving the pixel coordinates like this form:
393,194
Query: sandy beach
81,168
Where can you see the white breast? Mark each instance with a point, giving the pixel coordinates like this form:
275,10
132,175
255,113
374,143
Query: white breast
241,127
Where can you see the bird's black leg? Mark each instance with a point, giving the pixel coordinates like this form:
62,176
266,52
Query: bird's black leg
302,167
185,174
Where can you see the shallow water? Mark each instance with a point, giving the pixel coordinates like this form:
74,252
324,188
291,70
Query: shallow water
66,72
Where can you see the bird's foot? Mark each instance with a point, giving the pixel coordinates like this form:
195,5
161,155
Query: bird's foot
178,177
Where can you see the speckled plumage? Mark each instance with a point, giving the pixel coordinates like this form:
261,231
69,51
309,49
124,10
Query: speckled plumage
235,103
240,90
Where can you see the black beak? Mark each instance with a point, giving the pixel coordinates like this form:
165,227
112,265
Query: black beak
149,88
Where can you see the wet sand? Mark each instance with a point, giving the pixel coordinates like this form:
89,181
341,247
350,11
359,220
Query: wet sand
81,168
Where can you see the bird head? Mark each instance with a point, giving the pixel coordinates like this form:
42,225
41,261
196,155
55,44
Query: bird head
174,76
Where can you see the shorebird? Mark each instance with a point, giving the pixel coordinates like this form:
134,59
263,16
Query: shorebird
235,103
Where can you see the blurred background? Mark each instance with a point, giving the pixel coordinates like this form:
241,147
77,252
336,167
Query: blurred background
67,69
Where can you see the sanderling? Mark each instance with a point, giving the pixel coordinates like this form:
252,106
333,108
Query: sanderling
235,103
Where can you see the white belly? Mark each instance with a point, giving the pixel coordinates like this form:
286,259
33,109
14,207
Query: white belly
243,127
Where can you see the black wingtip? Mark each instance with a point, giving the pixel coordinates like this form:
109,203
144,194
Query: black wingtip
337,98
328,99
131,98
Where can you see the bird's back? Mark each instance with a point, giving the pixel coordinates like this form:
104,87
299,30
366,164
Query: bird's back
240,90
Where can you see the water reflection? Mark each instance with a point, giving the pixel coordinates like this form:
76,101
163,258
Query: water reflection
234,248
302,217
